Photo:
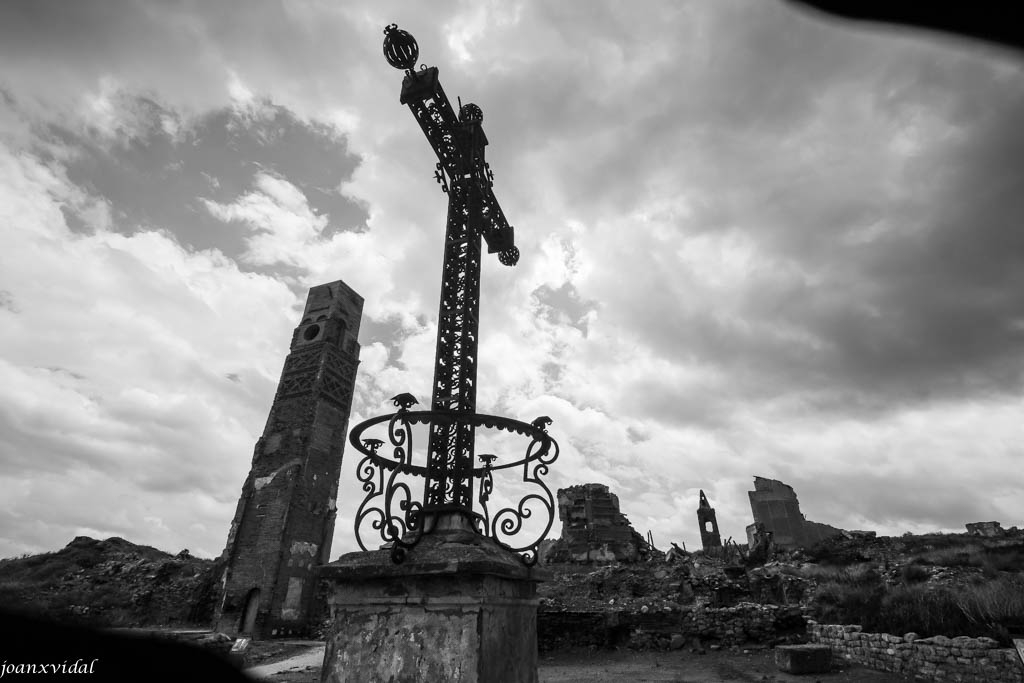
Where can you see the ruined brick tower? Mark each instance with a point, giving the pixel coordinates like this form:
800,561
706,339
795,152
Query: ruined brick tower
709,536
284,522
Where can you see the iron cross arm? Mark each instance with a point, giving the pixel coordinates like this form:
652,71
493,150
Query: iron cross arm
458,140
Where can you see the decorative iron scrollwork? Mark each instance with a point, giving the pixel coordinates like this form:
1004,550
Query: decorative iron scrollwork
401,519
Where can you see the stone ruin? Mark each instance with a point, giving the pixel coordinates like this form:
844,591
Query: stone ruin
594,529
710,538
777,511
989,529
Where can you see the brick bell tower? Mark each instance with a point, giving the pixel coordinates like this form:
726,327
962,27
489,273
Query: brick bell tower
284,522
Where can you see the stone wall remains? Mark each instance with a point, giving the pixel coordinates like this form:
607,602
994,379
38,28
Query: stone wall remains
775,505
961,659
668,629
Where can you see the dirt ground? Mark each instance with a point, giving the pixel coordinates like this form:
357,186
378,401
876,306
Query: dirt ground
614,666
685,666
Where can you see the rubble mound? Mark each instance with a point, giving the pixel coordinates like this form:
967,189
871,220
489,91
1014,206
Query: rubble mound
110,583
661,605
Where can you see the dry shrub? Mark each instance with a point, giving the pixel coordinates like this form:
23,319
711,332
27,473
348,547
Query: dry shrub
994,605
988,609
924,610
1004,558
843,603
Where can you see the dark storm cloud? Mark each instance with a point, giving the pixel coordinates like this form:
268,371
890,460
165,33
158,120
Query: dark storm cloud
905,263
624,105
935,307
181,47
887,500
159,171
563,305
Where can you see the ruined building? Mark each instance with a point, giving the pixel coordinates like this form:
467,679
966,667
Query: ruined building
774,505
709,536
593,528
990,529
284,522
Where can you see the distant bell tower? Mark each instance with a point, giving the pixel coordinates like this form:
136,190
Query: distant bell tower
709,536
284,522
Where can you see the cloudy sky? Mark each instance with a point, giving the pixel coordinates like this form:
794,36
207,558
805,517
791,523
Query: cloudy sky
754,242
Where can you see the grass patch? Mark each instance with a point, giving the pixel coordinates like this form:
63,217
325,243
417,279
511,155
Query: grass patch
994,606
914,573
923,610
1003,558
961,556
984,609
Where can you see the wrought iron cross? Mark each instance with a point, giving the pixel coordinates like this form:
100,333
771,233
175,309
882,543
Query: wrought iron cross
389,478
473,212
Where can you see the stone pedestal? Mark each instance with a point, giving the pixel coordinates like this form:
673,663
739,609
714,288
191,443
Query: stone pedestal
460,608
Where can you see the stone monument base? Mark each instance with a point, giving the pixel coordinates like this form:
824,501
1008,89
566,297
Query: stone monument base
460,608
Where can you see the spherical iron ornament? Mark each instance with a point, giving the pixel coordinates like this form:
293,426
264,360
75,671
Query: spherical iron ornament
400,48
471,112
509,257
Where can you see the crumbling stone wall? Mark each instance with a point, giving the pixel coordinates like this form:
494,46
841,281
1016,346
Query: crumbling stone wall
593,528
775,505
963,659
284,521
668,629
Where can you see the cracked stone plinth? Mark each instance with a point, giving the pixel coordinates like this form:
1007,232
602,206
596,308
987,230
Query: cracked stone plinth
460,608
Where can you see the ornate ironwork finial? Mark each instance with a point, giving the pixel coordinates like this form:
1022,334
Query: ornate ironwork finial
542,423
509,257
404,401
470,112
400,48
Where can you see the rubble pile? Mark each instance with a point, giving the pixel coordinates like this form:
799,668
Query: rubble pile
578,588
707,599
112,582
659,605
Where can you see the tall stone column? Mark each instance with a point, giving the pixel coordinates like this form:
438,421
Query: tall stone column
284,522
